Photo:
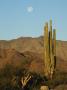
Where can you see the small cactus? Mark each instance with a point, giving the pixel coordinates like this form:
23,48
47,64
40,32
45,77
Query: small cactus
25,80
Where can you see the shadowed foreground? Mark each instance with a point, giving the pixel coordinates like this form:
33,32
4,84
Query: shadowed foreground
25,55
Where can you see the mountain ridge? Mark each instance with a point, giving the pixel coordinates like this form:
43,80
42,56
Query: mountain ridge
31,49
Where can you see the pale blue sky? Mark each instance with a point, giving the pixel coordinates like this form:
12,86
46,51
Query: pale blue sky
27,18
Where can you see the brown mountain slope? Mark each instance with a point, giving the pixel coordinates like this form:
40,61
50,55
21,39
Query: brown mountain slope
23,44
32,51
14,58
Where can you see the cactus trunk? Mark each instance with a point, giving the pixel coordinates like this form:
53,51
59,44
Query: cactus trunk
46,47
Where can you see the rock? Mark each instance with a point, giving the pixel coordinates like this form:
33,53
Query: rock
44,88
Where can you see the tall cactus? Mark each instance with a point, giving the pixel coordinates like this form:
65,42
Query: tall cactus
50,50
46,48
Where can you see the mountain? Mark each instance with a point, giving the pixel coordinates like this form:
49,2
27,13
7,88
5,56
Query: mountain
31,49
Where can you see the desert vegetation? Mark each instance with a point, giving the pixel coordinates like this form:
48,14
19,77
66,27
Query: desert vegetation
10,79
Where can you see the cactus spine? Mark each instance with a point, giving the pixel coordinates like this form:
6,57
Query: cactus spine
50,50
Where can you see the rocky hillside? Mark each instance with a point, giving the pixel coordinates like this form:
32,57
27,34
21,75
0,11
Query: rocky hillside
29,51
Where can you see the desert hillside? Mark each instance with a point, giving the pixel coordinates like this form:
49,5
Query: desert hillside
30,50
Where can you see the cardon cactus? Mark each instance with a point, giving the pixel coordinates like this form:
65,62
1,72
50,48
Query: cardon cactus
49,50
